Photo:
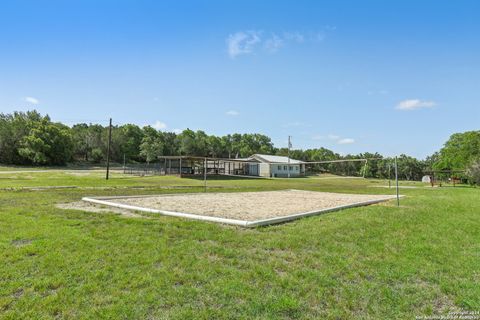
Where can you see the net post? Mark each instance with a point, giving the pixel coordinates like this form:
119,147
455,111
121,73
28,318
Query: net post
180,169
289,146
108,149
205,175
389,175
396,181
365,168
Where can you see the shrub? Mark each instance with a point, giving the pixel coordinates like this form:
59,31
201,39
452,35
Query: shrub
473,172
97,155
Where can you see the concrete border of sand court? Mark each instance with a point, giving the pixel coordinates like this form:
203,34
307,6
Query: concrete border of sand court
108,201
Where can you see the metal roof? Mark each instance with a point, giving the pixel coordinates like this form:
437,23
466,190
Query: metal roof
274,159
265,158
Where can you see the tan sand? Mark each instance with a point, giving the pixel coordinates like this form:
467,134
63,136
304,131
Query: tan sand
249,206
90,207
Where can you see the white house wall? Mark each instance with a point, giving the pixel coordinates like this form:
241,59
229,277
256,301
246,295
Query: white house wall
281,170
264,170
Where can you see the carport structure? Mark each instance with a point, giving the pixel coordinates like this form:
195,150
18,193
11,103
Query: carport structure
192,165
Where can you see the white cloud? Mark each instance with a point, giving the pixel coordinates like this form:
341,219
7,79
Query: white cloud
294,36
375,92
232,113
333,137
323,33
330,136
177,131
413,104
247,42
31,100
320,36
159,125
295,124
242,42
274,43
346,141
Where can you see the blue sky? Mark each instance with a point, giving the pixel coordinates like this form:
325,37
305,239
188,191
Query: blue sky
353,76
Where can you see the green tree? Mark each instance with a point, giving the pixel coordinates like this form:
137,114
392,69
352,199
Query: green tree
236,145
193,143
87,138
215,146
459,151
97,155
132,138
227,146
254,143
410,168
81,147
372,168
473,172
47,143
152,145
170,143
13,129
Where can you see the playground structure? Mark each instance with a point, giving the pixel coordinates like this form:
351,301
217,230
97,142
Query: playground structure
442,177
186,166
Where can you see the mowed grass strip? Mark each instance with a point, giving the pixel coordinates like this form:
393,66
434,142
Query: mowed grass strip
369,262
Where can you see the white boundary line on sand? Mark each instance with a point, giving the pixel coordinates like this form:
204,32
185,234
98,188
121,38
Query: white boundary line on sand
100,200
242,223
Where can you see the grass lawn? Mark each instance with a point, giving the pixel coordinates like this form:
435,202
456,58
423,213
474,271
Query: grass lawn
380,261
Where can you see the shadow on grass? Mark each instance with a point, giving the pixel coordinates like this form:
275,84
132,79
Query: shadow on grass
232,177
219,177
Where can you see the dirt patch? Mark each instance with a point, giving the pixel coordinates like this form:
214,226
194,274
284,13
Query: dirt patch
90,207
21,242
249,206
18,293
402,187
78,173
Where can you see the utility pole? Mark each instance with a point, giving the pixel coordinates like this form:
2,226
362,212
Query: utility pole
108,148
289,146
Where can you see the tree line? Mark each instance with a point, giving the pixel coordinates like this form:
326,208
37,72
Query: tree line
29,138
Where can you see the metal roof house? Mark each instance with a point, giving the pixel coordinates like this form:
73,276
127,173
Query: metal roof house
264,165
257,165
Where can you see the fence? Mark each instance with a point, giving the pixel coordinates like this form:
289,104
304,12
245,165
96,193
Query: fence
152,169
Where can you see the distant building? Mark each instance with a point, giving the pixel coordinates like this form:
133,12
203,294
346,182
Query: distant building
427,179
257,165
264,165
